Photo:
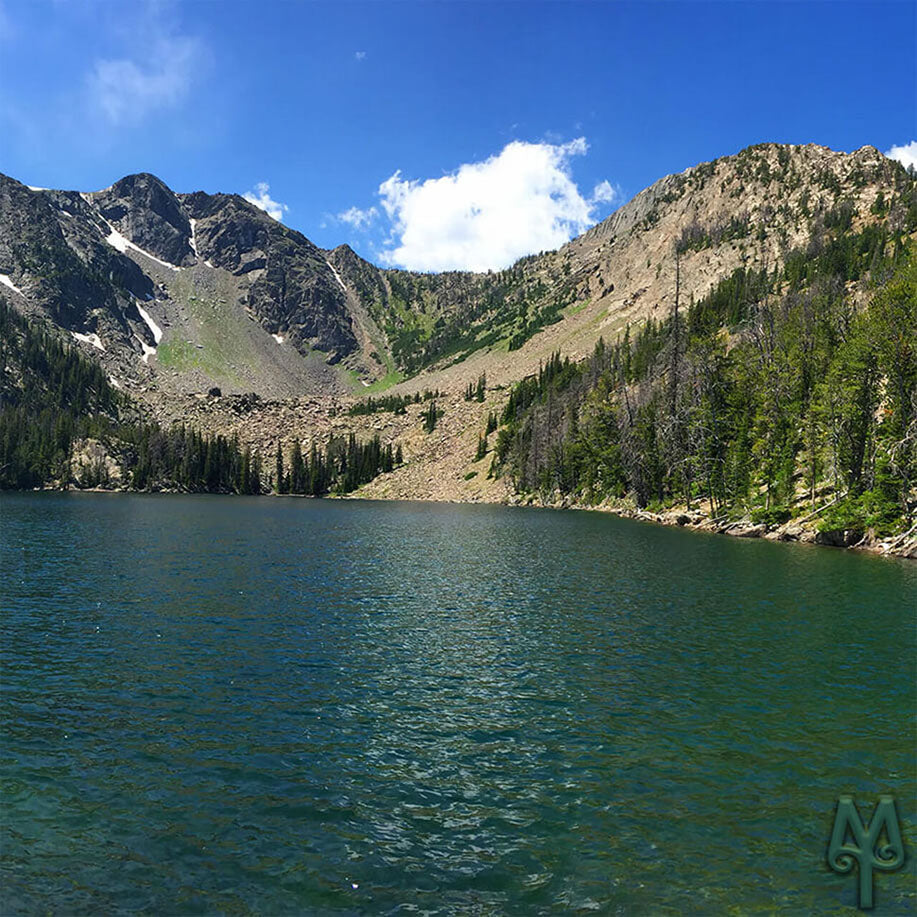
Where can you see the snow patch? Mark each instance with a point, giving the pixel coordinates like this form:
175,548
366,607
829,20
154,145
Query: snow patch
147,350
114,382
364,382
278,338
93,339
154,328
5,280
193,240
337,276
116,240
35,188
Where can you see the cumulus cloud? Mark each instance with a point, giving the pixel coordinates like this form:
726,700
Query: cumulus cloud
486,215
358,219
359,55
906,155
126,90
261,197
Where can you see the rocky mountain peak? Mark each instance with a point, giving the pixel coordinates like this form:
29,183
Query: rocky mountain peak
146,212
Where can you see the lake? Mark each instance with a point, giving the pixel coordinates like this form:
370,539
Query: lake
287,706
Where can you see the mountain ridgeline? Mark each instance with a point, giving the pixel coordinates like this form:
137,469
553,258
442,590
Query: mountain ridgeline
273,298
87,261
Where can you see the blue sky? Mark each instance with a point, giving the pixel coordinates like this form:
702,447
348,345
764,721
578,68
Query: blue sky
437,135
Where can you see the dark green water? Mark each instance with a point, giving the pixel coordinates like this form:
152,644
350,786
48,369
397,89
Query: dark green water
234,705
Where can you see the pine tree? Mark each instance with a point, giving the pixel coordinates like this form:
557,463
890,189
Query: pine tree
278,470
430,416
297,470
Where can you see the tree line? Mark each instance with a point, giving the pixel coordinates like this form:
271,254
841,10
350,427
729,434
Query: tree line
395,404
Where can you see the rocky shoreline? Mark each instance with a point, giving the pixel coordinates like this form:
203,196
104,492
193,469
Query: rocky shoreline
795,530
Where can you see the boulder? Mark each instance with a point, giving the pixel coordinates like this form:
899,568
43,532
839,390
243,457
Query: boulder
746,530
792,531
839,538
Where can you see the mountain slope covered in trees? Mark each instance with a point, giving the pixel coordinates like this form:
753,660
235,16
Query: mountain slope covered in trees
781,394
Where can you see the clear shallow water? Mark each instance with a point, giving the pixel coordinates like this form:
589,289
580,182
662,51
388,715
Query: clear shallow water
238,705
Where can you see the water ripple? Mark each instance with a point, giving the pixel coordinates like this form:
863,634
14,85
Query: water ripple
285,706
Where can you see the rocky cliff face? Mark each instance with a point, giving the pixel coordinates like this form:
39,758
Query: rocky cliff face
292,289
750,209
57,264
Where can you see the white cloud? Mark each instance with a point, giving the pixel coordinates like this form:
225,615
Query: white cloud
486,215
906,155
126,90
358,219
263,200
604,193
359,55
577,147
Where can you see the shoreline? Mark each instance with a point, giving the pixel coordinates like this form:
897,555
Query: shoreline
792,532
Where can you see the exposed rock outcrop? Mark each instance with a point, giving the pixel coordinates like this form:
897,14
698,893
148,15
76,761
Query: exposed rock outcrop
147,213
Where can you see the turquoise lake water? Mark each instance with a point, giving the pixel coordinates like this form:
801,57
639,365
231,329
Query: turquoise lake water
285,706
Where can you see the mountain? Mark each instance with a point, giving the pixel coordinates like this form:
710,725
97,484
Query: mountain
177,295
222,281
177,292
